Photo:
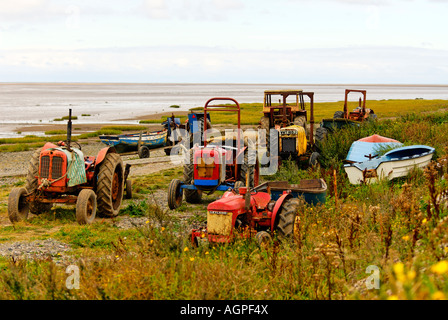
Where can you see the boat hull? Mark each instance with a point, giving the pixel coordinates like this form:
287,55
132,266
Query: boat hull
386,167
130,142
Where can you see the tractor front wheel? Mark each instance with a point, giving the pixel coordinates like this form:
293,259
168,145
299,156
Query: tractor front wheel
110,185
287,218
174,194
191,196
86,206
18,206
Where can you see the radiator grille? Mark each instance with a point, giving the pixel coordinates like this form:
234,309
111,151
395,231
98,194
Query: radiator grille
56,167
288,144
45,167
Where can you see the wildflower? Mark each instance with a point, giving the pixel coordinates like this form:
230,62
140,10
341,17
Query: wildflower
191,259
440,267
411,275
424,221
151,241
206,252
405,238
185,249
163,228
392,297
438,295
399,272
147,221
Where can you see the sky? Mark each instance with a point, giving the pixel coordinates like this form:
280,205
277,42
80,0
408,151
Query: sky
225,41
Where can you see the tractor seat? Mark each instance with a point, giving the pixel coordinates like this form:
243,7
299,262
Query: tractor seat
88,161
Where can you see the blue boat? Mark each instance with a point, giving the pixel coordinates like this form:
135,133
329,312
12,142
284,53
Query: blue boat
366,165
140,142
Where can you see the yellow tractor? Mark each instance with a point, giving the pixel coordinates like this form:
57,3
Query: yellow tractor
285,126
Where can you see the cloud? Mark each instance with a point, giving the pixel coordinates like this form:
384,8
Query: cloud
190,9
205,64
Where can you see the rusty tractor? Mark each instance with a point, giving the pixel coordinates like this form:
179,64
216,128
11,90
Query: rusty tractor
215,167
284,123
59,173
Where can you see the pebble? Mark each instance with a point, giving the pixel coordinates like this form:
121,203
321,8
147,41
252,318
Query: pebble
37,249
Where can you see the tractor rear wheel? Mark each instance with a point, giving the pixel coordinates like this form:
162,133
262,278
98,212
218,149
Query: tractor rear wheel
321,134
191,196
31,184
110,184
18,207
174,194
338,115
287,218
300,121
86,207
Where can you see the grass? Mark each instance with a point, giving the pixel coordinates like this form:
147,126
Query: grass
400,227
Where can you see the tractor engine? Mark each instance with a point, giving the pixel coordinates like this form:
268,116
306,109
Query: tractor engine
292,141
209,167
230,212
60,169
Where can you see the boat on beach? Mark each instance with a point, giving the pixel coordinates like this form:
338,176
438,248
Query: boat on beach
365,165
140,142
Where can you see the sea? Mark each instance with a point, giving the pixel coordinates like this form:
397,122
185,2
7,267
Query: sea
26,104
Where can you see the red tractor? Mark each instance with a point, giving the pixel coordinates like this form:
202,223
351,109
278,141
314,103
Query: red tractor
249,213
61,174
214,166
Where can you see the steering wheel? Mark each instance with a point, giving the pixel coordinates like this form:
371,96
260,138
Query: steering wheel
73,142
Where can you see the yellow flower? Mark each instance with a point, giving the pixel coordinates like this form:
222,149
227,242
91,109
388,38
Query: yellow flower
206,252
185,249
439,295
163,228
147,221
399,272
405,238
151,241
411,274
392,297
424,221
440,267
191,259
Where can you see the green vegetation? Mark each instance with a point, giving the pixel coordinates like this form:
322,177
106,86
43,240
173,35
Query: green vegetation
398,226
65,118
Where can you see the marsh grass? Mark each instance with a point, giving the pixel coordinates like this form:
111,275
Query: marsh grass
398,226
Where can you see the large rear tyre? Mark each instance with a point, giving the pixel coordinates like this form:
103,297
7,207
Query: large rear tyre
191,196
338,115
18,207
301,121
287,218
86,207
174,194
110,185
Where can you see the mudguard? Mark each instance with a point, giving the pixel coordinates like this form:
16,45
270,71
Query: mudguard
102,154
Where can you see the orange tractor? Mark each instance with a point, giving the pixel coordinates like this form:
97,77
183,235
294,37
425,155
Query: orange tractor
360,113
61,174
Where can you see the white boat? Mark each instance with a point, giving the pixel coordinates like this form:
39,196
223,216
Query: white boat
393,164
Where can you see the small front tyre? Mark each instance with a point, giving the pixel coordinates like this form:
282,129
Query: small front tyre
175,194
18,206
86,207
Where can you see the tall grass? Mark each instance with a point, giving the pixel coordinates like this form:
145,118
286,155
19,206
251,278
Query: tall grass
398,226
